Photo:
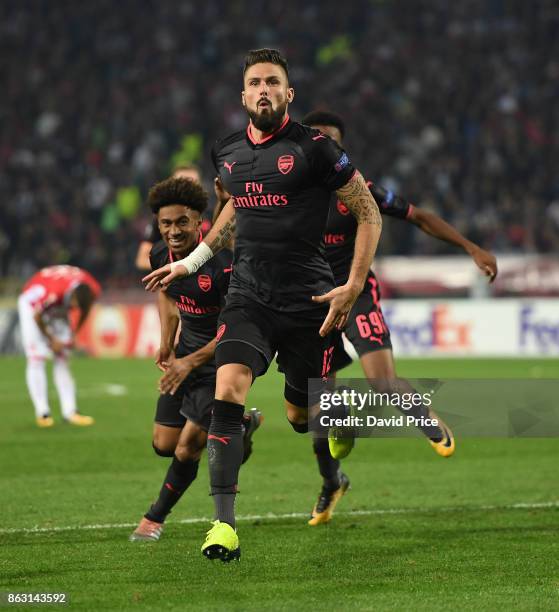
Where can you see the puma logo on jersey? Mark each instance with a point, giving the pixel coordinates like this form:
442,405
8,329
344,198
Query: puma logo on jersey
318,137
229,166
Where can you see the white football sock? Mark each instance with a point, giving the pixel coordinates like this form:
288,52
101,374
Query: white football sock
36,378
65,386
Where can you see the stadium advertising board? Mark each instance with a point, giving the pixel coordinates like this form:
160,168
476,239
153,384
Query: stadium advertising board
502,327
506,327
121,330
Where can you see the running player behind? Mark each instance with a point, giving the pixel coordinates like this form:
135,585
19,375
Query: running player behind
187,386
282,295
366,328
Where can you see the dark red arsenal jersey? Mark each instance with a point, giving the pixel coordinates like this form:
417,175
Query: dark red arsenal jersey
281,188
199,299
341,228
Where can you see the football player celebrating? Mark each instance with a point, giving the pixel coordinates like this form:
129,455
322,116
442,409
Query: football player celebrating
46,331
282,297
183,412
152,233
366,328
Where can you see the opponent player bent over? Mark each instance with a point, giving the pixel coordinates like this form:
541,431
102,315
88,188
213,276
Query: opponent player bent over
46,331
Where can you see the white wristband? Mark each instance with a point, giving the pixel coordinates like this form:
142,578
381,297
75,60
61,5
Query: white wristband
195,260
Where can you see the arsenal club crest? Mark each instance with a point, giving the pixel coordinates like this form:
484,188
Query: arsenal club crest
342,208
285,163
204,282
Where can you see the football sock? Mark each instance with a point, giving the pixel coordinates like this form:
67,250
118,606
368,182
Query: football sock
225,453
180,476
327,465
64,383
36,378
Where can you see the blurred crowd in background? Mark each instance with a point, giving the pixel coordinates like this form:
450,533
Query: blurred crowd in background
452,104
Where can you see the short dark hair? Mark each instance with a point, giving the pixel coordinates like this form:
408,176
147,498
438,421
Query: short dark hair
177,191
268,56
84,296
324,117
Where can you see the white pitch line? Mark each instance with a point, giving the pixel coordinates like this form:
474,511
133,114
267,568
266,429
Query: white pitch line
278,517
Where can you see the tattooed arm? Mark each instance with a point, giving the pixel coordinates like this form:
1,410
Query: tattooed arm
218,237
357,197
362,205
224,229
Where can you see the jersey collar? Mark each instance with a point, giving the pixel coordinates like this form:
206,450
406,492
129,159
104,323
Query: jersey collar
270,136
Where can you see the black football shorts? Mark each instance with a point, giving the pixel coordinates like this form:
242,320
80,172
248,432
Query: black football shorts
191,401
251,334
366,328
168,409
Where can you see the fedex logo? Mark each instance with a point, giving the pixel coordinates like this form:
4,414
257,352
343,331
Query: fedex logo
475,327
436,329
544,334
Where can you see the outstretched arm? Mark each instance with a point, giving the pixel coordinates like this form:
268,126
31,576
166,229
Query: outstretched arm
433,225
218,237
357,197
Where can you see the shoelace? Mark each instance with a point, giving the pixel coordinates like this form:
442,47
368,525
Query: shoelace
214,523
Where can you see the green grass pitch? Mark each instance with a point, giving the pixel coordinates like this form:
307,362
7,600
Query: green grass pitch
416,532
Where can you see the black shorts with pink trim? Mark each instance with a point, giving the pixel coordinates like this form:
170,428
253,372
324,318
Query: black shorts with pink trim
366,328
251,334
192,401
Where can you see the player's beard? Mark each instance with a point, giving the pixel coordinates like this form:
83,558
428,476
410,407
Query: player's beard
270,120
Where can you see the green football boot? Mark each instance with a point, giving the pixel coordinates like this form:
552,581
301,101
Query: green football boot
341,439
222,542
